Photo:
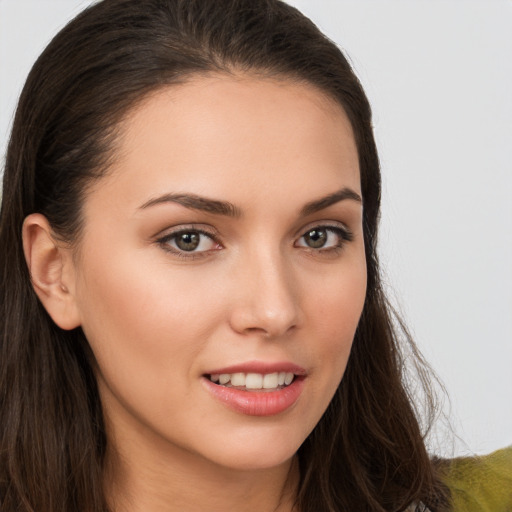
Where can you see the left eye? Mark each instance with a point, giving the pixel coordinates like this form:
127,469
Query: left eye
324,237
189,241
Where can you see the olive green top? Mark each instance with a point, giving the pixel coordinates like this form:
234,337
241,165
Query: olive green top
481,484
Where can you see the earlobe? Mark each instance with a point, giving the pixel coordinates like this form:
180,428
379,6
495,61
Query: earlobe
50,265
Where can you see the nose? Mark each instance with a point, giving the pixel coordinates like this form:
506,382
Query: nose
266,300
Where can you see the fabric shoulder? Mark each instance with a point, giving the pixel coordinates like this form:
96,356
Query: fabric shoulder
480,483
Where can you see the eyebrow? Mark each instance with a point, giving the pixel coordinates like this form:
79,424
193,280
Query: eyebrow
228,209
325,202
196,202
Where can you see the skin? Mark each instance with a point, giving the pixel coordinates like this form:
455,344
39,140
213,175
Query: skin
158,318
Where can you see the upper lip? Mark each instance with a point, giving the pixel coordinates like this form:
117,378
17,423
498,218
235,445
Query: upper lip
260,367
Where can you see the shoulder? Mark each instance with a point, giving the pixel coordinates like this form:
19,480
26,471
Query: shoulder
481,484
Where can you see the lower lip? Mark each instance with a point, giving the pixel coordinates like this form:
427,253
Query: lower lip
257,403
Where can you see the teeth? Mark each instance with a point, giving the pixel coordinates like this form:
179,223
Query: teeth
224,378
270,380
238,379
254,380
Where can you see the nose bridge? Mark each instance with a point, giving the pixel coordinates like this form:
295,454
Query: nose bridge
267,302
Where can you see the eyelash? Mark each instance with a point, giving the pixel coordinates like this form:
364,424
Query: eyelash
343,233
164,242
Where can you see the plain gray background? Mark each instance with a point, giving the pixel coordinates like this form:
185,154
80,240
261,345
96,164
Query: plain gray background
439,76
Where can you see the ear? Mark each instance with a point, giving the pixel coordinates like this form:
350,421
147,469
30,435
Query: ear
51,269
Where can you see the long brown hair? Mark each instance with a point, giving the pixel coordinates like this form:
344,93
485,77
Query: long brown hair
367,453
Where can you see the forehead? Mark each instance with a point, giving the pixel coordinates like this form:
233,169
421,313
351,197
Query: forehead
223,135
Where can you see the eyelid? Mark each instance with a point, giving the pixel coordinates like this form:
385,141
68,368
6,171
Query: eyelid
340,229
326,224
165,236
179,228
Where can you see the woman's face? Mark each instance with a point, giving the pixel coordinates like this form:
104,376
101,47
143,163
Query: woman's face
221,256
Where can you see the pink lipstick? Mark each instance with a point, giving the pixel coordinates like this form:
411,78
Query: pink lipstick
257,388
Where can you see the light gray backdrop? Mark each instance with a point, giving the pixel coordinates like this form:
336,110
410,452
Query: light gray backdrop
439,77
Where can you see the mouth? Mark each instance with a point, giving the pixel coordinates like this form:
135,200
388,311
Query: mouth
253,381
257,388
256,394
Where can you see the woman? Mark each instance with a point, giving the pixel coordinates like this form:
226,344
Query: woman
193,318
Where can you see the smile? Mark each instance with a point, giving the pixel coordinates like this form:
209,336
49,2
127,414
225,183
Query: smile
257,389
254,381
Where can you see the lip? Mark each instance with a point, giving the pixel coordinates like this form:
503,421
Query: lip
260,367
258,402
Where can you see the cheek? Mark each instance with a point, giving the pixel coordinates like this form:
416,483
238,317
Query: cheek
133,316
337,312
143,325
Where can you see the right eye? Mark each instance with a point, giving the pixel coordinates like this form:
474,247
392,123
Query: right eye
189,242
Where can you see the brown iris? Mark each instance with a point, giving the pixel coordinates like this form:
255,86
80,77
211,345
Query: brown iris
316,238
188,240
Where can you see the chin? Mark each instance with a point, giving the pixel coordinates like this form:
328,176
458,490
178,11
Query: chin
258,452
